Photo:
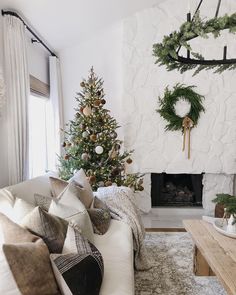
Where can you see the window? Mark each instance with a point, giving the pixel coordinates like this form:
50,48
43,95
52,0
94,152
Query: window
38,159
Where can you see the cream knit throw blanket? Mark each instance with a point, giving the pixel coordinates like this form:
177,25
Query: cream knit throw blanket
122,205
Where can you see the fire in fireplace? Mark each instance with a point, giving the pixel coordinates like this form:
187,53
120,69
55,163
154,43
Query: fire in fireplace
176,190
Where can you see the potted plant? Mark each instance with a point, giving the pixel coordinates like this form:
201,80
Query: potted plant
229,203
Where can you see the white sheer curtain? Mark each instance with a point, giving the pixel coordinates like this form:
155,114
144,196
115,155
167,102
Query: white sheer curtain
17,91
54,114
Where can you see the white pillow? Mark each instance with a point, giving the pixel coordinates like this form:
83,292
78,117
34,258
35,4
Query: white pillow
86,195
69,207
20,209
14,208
7,201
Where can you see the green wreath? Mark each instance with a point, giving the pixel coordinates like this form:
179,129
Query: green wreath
167,106
167,51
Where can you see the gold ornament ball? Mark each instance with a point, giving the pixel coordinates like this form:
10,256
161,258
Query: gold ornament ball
67,157
93,137
103,101
108,183
82,84
97,102
129,161
92,179
87,111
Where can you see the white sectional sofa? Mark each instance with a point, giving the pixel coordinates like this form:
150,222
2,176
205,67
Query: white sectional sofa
116,246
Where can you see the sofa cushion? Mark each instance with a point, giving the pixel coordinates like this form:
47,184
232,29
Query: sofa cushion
20,209
100,216
68,206
57,186
79,269
85,195
24,262
26,190
7,201
14,208
116,247
51,229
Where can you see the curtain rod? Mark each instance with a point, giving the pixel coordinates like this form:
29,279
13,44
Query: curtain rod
29,29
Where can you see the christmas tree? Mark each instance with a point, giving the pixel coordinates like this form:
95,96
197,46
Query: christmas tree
91,141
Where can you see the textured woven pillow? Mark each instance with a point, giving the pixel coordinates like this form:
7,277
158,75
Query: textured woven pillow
24,262
50,228
85,193
69,207
79,269
100,216
42,201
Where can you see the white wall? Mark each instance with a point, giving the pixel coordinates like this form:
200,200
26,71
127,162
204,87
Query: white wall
213,140
104,52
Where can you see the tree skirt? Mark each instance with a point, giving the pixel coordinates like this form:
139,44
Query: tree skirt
171,255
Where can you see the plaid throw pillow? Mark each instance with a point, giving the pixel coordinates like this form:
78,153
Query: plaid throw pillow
100,216
50,228
79,269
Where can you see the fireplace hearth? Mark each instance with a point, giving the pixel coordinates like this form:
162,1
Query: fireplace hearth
176,190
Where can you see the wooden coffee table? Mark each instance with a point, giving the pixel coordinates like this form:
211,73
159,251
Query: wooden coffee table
214,254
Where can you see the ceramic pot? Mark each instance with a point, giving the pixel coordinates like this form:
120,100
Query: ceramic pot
231,227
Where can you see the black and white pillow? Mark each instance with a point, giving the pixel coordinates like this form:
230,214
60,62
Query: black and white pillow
79,269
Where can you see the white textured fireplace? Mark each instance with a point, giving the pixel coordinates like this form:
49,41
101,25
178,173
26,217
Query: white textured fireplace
213,141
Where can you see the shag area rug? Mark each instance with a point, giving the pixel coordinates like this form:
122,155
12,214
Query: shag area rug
171,256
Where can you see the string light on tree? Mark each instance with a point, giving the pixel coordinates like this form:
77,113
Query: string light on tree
94,145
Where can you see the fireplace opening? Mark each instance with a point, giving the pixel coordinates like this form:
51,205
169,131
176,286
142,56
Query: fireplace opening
176,190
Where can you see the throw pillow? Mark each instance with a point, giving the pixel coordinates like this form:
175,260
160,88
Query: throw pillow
85,194
81,270
50,228
42,201
69,207
7,201
24,262
100,216
57,186
20,209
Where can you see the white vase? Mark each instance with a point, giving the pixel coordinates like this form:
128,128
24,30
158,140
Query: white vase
231,227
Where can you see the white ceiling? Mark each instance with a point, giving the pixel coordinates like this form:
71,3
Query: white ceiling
63,23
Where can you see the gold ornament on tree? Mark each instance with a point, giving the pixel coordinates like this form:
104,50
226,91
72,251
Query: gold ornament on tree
87,111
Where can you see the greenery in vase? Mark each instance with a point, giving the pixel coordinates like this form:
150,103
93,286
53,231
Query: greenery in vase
91,141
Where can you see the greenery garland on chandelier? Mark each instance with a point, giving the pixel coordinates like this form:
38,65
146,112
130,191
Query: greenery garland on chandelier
167,51
175,122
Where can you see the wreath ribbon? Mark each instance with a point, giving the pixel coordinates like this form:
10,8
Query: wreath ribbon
187,126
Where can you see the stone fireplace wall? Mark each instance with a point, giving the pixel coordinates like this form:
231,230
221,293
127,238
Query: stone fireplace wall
213,141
